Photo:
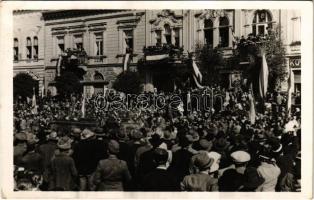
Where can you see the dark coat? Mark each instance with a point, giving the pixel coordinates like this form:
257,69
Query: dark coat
47,151
63,172
111,174
146,163
231,181
87,154
32,161
159,180
199,182
180,164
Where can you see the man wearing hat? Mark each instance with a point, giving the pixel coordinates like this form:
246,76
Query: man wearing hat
200,181
20,147
62,168
47,151
159,179
86,154
112,173
146,162
233,178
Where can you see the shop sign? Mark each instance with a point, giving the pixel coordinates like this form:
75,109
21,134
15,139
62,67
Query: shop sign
295,62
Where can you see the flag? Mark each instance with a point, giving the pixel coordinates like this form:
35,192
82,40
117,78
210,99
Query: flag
34,104
252,114
59,65
197,72
83,106
126,61
290,90
43,91
263,77
188,98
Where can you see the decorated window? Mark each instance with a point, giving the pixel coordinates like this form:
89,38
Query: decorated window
208,32
16,50
262,22
223,32
167,33
35,47
28,48
158,37
60,44
78,42
128,40
99,44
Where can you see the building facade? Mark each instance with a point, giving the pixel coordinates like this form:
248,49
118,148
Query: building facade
107,35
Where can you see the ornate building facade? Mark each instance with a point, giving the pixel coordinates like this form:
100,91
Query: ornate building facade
107,35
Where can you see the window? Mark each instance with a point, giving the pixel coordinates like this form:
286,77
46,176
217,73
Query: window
99,47
28,48
167,34
128,38
35,47
60,42
223,32
262,22
78,42
16,50
208,32
177,37
158,37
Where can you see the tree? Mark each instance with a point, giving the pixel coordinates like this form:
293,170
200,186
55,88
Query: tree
68,83
128,82
274,49
210,60
23,85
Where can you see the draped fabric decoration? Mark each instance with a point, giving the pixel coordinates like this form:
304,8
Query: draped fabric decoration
59,65
290,91
197,75
34,104
252,113
263,77
126,61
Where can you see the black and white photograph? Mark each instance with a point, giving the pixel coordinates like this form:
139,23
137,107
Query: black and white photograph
157,100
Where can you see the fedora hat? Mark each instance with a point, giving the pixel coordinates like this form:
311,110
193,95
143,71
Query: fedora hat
221,144
155,140
76,132
86,134
205,144
113,147
64,143
52,136
202,161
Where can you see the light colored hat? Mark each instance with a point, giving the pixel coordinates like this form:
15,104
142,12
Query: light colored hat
52,136
216,156
86,133
21,136
240,156
202,161
64,143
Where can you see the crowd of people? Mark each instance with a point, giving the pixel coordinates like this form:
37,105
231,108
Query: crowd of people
158,150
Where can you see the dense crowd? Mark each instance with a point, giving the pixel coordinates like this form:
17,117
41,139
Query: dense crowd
158,150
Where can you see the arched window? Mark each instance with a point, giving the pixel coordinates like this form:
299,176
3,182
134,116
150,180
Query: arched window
208,32
223,31
35,47
262,22
167,33
16,49
98,76
28,48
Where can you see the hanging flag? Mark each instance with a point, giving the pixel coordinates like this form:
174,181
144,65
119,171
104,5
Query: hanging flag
126,61
197,72
43,91
252,114
188,99
290,91
263,77
83,106
34,104
197,83
59,65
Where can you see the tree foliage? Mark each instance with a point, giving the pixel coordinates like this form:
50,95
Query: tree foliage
68,83
210,60
128,82
23,85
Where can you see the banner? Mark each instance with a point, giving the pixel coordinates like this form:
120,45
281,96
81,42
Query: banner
83,106
59,65
252,113
34,103
157,57
263,77
197,72
290,91
125,63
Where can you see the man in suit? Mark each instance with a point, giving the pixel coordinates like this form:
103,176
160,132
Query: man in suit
159,179
112,173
